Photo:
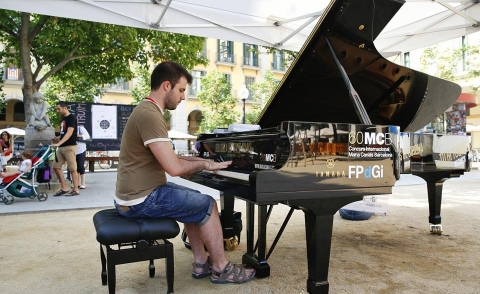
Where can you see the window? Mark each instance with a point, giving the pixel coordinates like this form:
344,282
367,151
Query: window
250,55
225,51
121,84
19,112
3,114
249,81
406,59
228,78
196,82
278,61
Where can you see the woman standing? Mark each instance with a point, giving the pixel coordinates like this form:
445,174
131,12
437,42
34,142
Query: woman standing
6,143
82,136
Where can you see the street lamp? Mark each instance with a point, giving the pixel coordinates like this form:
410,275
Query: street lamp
243,93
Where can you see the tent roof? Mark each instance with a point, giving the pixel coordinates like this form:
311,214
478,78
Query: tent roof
285,24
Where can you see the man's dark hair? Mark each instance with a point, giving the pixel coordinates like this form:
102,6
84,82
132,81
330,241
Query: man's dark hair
168,71
62,104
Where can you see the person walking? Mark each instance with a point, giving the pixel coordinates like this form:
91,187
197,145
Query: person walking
66,151
142,190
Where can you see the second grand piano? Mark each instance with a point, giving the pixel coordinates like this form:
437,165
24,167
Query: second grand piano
330,133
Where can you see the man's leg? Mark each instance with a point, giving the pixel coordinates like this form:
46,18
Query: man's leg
207,235
57,167
71,158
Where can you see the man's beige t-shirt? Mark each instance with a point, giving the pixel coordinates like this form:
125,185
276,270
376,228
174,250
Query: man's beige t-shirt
139,172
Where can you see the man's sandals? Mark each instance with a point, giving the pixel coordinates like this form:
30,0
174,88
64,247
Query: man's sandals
232,273
206,269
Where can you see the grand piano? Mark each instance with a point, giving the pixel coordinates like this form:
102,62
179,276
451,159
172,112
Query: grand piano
330,135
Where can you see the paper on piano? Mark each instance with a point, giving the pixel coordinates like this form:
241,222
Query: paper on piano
242,127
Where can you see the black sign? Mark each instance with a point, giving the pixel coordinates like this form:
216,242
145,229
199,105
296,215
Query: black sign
104,122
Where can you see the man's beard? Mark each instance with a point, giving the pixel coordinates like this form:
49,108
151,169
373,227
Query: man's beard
170,104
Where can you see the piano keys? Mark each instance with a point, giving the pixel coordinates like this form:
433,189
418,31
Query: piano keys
330,134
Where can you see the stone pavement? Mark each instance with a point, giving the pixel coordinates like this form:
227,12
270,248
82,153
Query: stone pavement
101,189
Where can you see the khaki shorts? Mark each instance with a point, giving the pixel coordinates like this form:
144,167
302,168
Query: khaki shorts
68,154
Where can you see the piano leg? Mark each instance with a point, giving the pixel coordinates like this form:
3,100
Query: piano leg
259,261
318,228
435,182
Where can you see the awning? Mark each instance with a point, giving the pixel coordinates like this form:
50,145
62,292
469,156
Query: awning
469,99
284,24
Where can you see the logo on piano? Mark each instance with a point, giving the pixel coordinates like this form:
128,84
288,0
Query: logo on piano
356,171
268,157
369,138
330,163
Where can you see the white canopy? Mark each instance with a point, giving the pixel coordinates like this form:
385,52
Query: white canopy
14,132
277,23
176,135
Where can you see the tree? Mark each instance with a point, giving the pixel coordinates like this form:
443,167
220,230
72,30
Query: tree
261,92
94,53
81,91
217,102
141,89
447,63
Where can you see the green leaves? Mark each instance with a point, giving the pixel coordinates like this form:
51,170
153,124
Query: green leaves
217,102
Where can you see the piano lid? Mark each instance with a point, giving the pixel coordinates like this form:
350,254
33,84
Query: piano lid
313,88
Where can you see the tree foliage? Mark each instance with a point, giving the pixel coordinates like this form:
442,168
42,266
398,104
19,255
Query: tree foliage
217,102
78,51
64,90
261,93
447,63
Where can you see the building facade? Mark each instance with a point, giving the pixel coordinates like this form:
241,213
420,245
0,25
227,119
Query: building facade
240,63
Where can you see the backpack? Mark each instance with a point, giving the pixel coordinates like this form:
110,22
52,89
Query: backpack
44,174
237,230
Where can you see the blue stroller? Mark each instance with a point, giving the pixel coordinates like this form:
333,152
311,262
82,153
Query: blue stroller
23,185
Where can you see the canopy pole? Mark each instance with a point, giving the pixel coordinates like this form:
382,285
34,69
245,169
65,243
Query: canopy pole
157,23
295,31
462,14
281,22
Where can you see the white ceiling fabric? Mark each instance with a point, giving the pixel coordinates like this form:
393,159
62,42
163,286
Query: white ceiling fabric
419,23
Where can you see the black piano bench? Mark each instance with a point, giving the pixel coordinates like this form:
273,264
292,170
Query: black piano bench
133,240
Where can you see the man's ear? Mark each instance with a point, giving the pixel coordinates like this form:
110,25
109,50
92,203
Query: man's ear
166,86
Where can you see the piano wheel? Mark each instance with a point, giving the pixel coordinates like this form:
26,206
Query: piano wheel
231,243
436,229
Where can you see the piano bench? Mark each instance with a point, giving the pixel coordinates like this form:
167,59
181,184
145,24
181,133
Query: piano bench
133,240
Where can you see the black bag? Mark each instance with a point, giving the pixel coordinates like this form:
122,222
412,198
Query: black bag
237,229
44,174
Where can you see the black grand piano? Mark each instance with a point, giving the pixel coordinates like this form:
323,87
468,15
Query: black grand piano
329,135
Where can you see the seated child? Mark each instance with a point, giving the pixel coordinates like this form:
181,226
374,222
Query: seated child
25,165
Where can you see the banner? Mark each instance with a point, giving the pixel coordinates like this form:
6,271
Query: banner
104,122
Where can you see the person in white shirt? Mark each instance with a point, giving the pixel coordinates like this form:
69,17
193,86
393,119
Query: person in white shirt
82,136
25,165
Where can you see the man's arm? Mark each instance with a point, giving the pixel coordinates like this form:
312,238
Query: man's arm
68,134
176,166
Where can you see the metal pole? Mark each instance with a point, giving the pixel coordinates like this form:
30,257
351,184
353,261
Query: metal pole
243,118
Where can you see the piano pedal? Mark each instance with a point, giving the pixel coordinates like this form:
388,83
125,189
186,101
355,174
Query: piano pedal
231,243
436,229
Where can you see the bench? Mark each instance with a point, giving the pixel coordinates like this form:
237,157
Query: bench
91,161
124,240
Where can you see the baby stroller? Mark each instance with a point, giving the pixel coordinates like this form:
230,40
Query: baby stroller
23,185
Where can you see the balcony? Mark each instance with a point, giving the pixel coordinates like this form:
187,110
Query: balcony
251,62
12,74
226,59
278,66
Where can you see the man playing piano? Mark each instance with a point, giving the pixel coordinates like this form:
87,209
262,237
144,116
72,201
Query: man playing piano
142,189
